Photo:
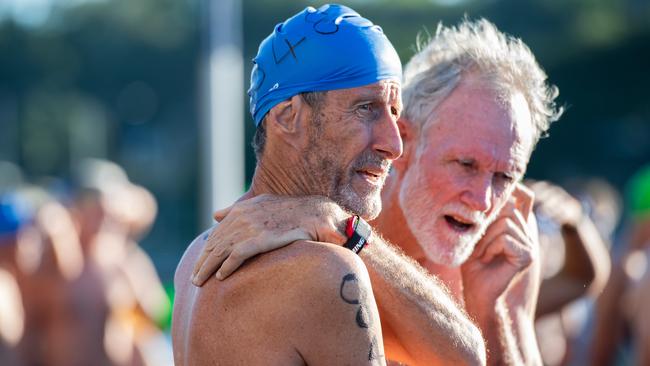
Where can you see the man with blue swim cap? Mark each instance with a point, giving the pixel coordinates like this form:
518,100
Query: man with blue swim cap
325,96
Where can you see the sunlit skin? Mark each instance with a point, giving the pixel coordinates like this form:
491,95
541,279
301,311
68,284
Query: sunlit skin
62,292
469,223
453,185
344,151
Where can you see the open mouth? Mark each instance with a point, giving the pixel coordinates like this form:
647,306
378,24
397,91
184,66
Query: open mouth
458,224
372,176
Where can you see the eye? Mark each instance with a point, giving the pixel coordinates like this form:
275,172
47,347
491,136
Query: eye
367,111
465,163
367,107
394,111
504,177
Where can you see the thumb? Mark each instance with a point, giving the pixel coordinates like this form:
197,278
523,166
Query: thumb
525,197
221,214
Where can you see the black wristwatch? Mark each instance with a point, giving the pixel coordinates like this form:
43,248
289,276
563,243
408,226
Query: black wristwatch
358,232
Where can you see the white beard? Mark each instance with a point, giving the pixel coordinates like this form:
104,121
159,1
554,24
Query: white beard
446,248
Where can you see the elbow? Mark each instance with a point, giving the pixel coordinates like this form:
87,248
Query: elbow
476,353
600,276
595,276
471,349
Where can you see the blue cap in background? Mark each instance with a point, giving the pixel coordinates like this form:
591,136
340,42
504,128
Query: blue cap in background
15,212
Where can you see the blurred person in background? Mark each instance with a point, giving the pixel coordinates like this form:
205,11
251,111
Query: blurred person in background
64,302
622,324
476,102
575,265
57,322
603,204
111,215
12,312
95,301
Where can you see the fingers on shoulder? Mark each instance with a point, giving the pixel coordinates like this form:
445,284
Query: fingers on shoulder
192,254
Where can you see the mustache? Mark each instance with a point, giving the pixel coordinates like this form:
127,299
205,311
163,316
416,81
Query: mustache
370,159
461,210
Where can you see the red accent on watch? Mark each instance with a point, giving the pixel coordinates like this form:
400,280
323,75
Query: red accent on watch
358,234
351,225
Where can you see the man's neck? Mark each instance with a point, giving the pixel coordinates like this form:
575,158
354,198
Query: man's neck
279,176
393,226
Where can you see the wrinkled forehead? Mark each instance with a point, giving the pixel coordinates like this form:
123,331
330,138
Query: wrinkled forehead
387,91
480,121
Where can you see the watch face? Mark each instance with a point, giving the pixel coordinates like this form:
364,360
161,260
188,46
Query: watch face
360,235
364,229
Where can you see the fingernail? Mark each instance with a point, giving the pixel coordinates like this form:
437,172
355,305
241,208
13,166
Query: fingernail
219,276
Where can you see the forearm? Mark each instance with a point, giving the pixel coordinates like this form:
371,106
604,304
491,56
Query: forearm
556,292
427,324
525,337
499,334
585,272
508,323
521,304
608,322
587,256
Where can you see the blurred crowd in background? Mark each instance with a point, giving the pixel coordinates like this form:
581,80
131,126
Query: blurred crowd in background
93,89
75,286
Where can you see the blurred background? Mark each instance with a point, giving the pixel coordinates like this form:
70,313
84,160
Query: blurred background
128,81
120,80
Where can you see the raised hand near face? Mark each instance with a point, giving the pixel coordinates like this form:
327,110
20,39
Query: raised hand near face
506,251
501,282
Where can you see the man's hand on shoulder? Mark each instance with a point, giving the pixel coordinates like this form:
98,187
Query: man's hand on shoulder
264,223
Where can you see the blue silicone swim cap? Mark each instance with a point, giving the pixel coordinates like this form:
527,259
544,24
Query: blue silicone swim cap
15,212
328,48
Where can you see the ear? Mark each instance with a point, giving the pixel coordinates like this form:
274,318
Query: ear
409,143
286,120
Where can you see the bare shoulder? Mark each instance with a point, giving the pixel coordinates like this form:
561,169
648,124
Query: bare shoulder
314,298
183,274
300,260
301,271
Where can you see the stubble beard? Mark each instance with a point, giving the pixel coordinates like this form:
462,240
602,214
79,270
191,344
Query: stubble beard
366,204
335,181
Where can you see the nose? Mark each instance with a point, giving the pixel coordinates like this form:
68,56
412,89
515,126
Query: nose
387,140
478,195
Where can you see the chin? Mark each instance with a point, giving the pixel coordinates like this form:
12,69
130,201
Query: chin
370,209
369,206
446,252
